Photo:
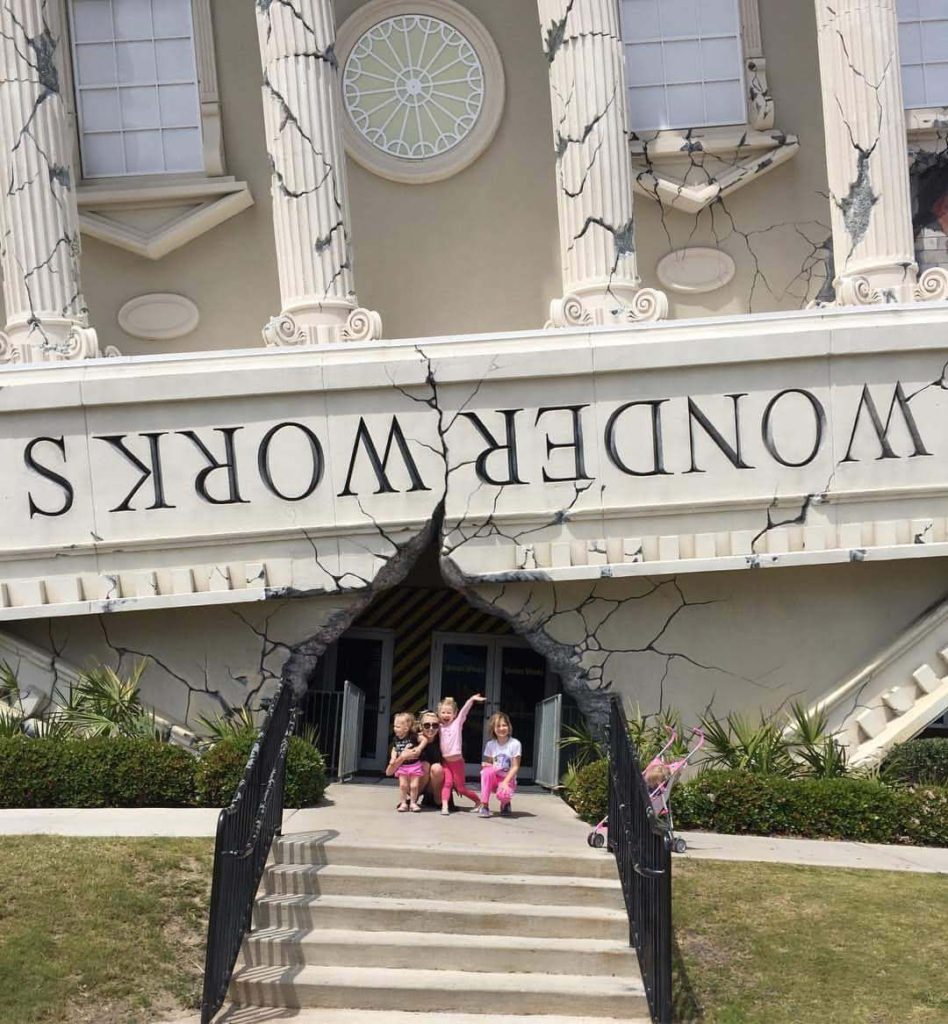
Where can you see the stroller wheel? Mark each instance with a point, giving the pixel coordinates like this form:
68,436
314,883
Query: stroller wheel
680,845
597,840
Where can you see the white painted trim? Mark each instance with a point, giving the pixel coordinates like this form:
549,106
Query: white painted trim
455,160
206,61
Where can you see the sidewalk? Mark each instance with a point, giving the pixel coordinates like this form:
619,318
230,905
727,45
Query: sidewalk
542,820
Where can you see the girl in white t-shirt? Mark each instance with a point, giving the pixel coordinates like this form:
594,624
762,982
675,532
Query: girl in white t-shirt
499,765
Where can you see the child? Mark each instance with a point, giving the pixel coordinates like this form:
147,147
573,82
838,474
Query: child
404,761
452,722
501,762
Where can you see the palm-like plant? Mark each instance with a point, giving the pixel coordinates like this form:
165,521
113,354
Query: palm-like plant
583,741
236,721
103,703
814,746
741,745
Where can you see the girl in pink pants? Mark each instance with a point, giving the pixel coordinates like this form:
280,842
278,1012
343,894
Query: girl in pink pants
500,765
452,722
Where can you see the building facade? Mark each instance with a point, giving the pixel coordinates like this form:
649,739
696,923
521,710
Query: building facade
587,344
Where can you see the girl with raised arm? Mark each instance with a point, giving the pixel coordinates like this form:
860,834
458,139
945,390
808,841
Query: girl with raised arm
452,722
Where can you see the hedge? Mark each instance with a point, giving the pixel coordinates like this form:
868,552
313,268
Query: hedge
119,772
740,803
918,761
94,773
857,809
222,768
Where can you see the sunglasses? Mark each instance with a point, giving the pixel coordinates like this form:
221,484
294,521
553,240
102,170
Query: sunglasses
430,725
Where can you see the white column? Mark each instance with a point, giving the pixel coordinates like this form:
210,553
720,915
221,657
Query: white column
310,199
867,165
593,169
46,315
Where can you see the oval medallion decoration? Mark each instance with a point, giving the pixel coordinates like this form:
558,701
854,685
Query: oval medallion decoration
158,317
422,86
696,270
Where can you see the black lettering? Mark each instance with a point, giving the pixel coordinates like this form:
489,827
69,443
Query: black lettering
658,456
767,431
882,429
117,441
229,463
380,465
579,458
48,474
510,428
263,461
695,414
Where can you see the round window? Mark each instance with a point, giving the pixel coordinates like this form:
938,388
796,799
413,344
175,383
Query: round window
422,86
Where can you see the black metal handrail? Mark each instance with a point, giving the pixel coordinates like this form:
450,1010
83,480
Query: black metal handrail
245,832
642,848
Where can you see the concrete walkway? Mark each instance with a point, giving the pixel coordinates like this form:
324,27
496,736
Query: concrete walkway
541,822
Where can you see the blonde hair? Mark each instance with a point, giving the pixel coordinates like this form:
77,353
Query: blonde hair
448,702
403,716
499,716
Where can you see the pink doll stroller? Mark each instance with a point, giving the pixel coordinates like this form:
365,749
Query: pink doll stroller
665,772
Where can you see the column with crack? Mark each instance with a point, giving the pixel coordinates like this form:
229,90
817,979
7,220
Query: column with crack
593,168
308,181
863,110
47,317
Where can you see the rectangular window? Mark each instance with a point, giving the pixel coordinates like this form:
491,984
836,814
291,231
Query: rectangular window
136,87
923,50
684,63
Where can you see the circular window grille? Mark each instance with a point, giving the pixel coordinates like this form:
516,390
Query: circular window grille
422,87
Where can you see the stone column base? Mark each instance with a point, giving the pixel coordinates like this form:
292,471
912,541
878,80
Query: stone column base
48,340
288,329
646,304
931,286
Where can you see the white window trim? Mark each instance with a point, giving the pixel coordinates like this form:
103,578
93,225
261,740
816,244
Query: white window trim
215,196
757,147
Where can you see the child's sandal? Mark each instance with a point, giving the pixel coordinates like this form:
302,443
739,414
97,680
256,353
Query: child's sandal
402,807
414,808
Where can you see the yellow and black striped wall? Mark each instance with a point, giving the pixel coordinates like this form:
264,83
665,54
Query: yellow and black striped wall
414,614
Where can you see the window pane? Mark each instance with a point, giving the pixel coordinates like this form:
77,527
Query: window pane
143,153
140,107
647,108
719,17
183,149
683,62
936,84
644,63
907,8
724,102
934,41
721,59
178,106
913,86
92,20
910,43
132,18
685,106
96,63
931,8
640,20
679,18
175,60
102,154
172,18
100,109
136,62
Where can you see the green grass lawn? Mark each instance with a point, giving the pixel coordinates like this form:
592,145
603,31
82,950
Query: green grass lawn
774,944
104,931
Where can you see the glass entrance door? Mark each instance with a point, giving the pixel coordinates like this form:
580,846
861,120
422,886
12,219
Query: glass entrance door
510,674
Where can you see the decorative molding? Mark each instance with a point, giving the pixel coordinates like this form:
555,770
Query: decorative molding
194,207
647,304
695,270
285,331
421,171
160,316
206,60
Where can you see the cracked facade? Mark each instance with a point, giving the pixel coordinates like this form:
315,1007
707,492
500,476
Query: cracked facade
610,385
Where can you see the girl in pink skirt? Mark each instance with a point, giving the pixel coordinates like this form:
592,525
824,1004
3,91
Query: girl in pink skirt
452,722
500,765
404,761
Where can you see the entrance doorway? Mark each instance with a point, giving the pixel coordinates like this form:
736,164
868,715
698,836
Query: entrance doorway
510,674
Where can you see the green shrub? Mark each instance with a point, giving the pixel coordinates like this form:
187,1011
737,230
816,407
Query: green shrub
588,792
222,767
102,772
918,761
856,809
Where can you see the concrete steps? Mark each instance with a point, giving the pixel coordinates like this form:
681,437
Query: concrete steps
380,988
456,936
256,1015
